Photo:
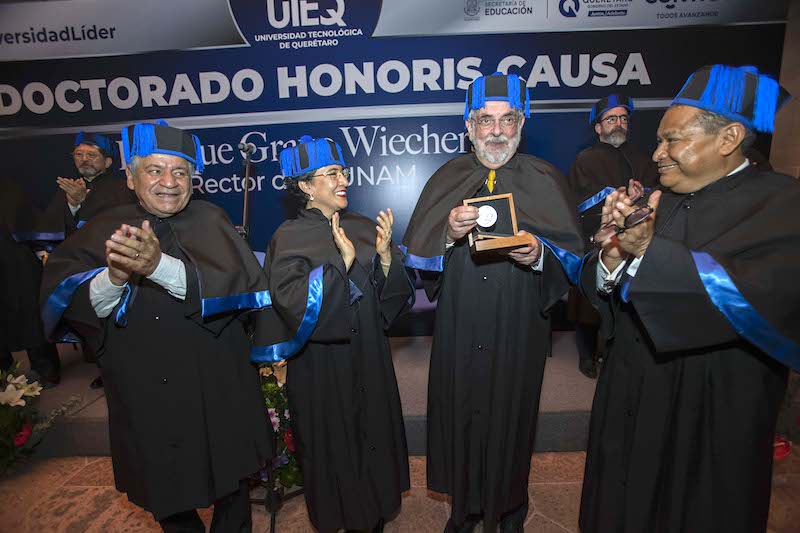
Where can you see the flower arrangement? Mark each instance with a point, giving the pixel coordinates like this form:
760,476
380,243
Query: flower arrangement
18,418
285,470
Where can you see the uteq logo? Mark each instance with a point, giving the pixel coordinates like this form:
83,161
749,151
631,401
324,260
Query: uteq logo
569,8
471,7
304,13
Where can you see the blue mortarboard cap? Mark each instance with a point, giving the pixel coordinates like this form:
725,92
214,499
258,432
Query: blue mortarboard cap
498,87
102,142
609,102
310,154
738,93
160,138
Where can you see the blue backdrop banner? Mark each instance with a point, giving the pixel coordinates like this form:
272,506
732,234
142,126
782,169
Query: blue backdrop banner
386,80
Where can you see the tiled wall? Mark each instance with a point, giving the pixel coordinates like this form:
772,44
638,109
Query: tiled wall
785,155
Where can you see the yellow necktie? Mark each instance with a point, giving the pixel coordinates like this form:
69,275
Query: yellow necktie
490,181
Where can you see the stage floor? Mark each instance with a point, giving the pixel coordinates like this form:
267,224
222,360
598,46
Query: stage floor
563,422
77,494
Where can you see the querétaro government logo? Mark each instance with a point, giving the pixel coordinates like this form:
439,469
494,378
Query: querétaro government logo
569,8
471,7
670,4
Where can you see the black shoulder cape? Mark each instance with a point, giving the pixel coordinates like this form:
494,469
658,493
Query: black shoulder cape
304,248
228,273
541,199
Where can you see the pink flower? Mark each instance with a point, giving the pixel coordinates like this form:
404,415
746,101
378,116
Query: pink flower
21,437
273,417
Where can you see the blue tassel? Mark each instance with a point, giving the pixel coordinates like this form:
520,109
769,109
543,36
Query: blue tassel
136,140
524,87
144,140
724,92
287,157
79,138
736,89
766,104
512,83
478,94
199,164
126,148
314,160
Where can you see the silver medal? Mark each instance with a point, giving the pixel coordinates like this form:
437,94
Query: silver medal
487,216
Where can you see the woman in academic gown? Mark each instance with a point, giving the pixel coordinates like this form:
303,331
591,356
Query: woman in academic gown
337,282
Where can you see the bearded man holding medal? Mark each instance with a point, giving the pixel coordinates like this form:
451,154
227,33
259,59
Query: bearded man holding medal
492,330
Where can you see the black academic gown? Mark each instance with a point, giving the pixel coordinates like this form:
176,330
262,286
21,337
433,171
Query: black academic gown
186,416
684,415
601,166
491,335
106,191
343,396
594,169
20,272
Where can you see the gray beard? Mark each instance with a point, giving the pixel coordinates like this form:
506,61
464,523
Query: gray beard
482,151
615,139
88,173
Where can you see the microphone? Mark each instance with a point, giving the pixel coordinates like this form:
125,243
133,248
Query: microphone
247,148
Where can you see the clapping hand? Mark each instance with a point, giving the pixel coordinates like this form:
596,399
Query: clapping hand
75,190
383,240
132,250
344,245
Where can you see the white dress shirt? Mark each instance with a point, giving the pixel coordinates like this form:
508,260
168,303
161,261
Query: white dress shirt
170,274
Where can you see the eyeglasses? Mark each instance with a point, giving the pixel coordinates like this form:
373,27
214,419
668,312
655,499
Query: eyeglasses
334,173
612,119
506,121
610,229
85,155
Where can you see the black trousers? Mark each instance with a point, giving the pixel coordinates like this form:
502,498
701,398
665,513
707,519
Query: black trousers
231,515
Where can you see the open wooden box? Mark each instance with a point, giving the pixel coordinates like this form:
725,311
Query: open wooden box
502,234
